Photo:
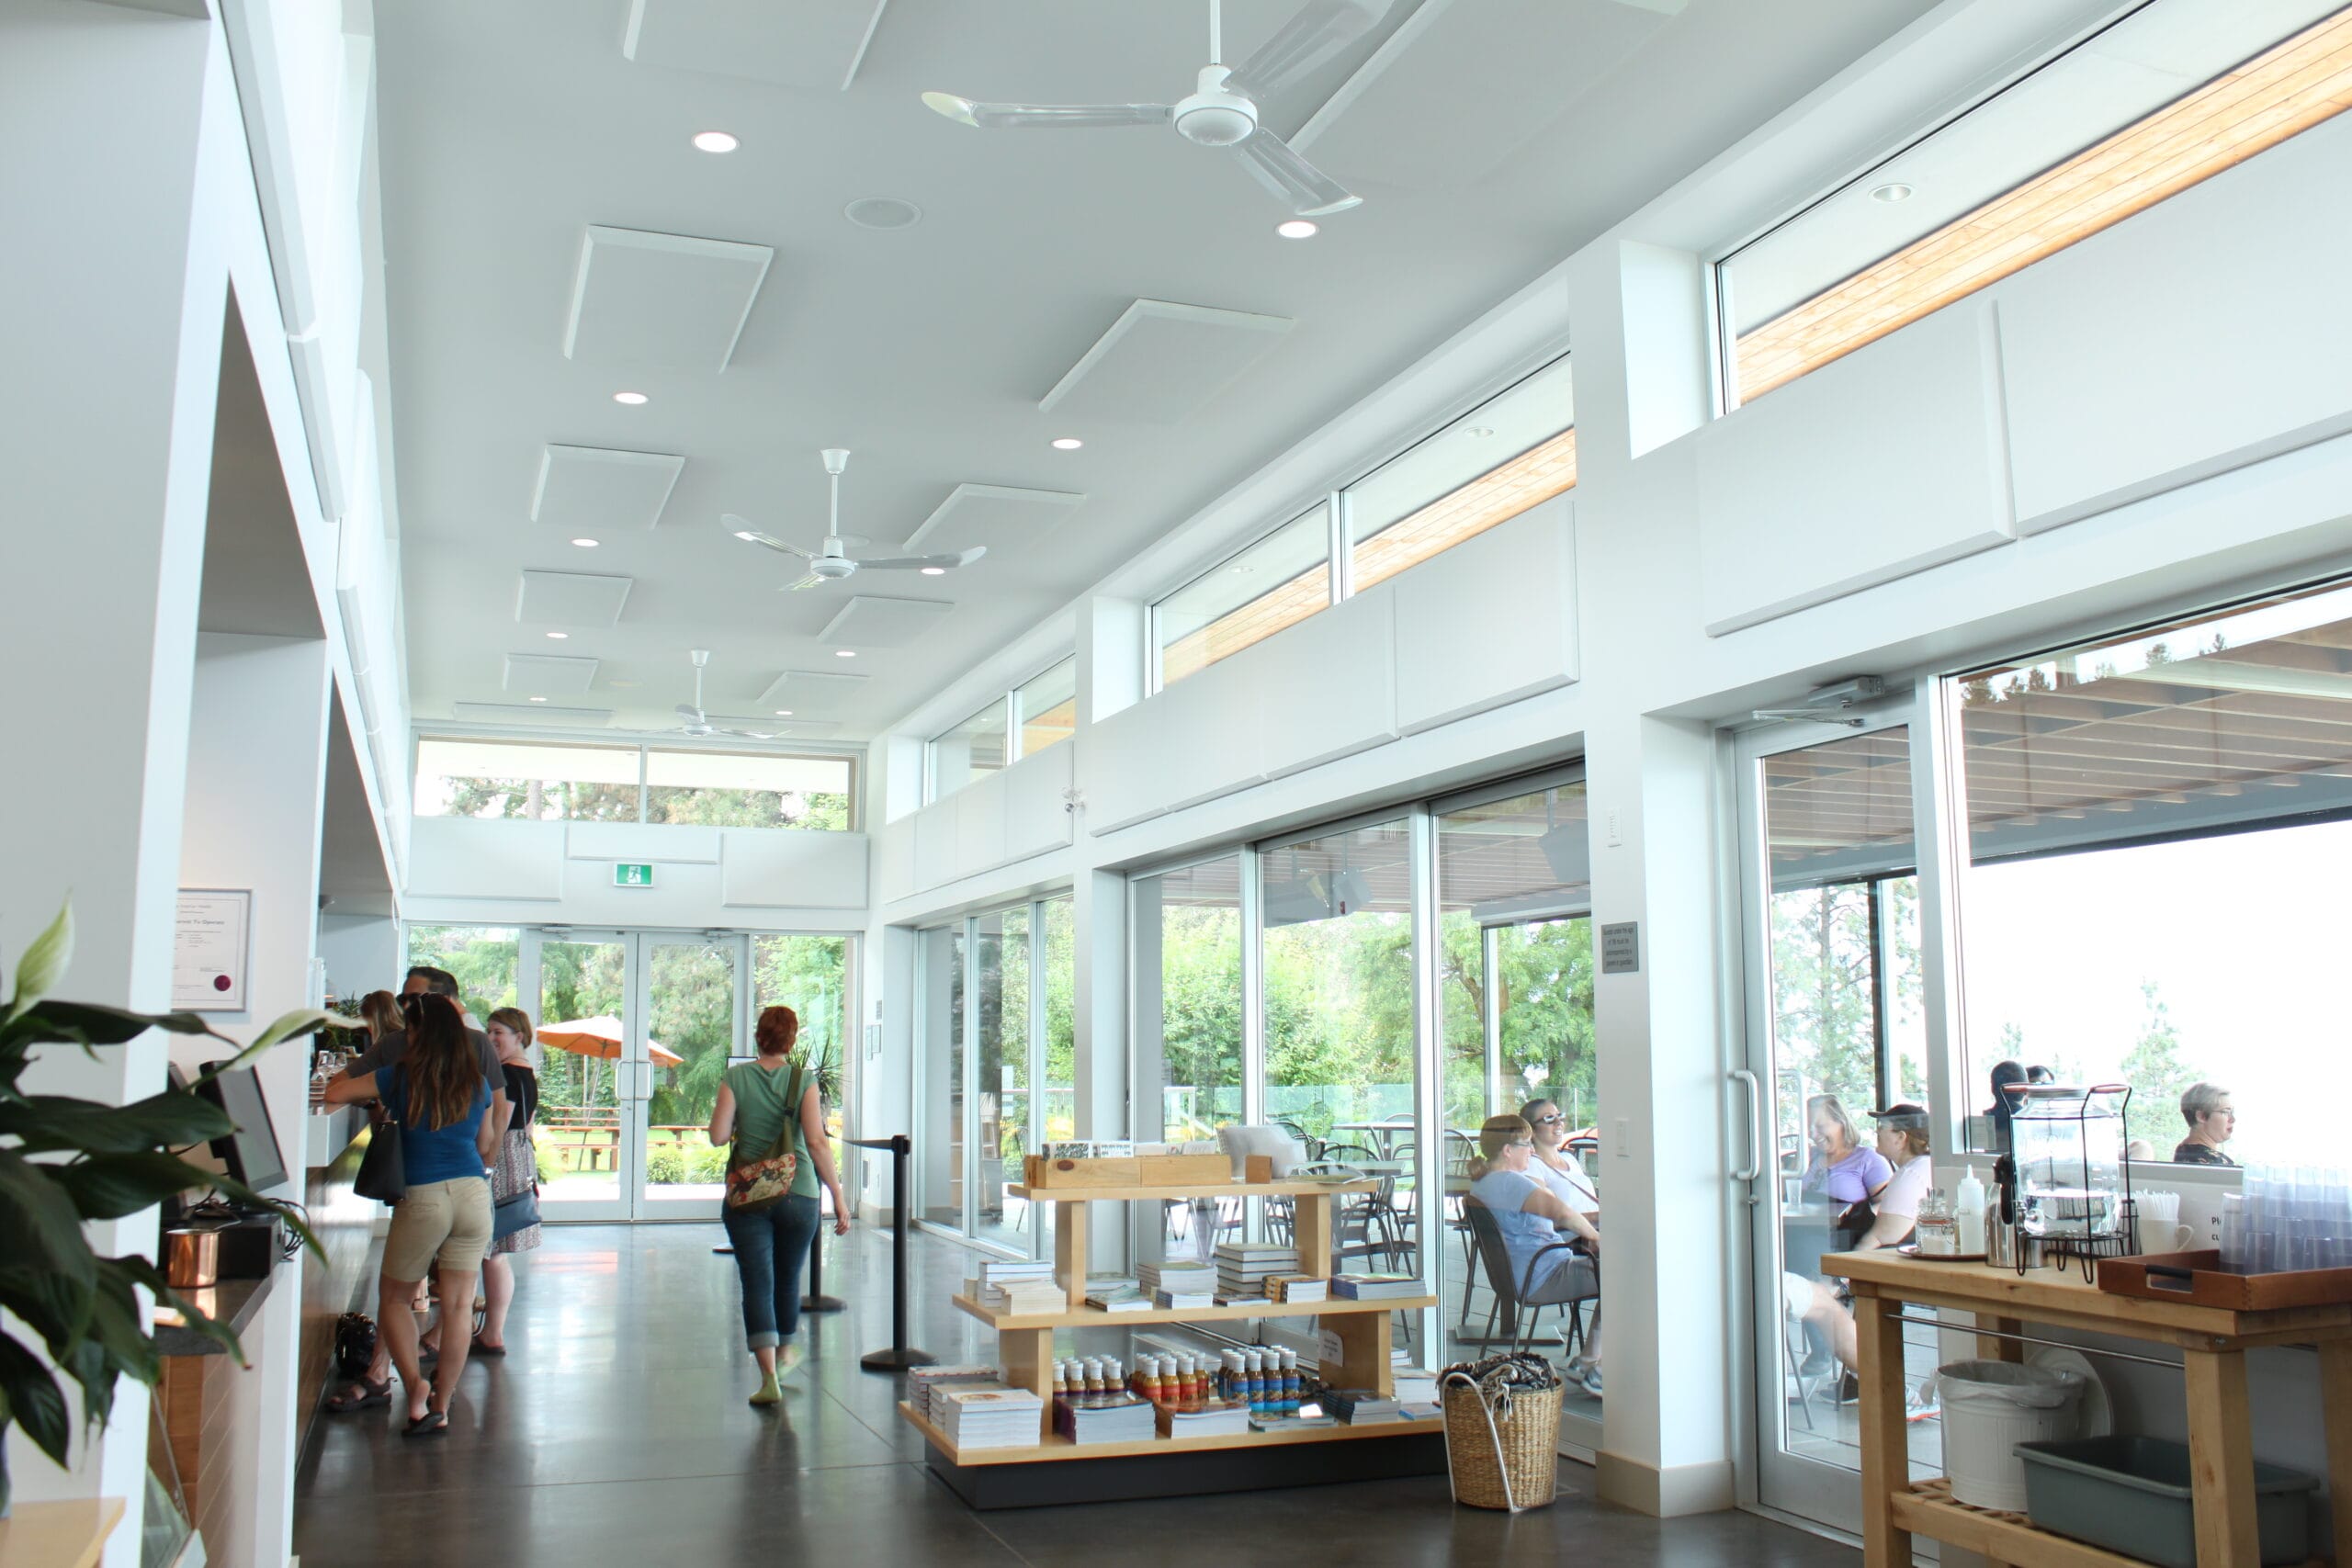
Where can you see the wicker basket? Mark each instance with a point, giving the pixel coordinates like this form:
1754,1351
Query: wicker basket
1502,1430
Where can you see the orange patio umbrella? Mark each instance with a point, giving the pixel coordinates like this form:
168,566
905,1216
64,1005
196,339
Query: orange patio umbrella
599,1036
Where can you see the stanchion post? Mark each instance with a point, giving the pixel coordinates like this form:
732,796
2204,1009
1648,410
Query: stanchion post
816,1300
900,1356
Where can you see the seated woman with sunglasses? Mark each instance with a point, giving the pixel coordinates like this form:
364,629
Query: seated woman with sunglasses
1530,1218
1553,1164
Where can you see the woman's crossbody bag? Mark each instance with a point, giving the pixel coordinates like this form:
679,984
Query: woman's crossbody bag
757,1184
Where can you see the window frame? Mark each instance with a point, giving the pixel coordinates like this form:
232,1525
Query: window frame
643,746
1153,646
1008,703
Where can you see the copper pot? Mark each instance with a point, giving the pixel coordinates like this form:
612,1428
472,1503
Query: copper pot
191,1258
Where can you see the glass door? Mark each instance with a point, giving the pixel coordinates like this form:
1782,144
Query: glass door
590,1151
691,1022
1836,1030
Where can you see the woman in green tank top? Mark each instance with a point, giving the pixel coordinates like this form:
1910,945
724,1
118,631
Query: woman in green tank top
766,1107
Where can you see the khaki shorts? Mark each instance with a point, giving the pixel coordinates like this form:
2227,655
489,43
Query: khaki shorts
440,1223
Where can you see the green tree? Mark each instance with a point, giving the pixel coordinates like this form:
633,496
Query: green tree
2158,1076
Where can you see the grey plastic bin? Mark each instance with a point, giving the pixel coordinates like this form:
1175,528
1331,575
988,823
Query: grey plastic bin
2132,1496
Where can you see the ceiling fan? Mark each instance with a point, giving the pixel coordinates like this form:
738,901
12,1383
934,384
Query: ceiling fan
695,721
1222,110
832,561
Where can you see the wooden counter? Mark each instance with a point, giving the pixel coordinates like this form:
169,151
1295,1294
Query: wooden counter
59,1535
2212,1342
345,1223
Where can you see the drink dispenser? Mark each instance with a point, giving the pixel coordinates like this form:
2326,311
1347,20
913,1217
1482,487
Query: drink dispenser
2073,1177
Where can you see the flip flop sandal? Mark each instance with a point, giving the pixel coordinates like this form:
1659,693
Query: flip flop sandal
361,1396
432,1424
482,1349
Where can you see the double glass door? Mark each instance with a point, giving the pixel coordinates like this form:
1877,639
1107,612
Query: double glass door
636,1029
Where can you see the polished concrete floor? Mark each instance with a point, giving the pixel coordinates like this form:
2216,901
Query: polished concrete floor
615,1432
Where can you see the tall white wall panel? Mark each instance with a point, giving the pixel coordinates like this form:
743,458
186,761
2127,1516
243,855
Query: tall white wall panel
935,844
772,870
2207,332
979,812
1515,585
465,857
1346,658
1118,763
641,841
1036,819
894,861
1885,463
1208,743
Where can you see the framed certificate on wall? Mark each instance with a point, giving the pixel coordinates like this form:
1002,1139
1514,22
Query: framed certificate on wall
211,949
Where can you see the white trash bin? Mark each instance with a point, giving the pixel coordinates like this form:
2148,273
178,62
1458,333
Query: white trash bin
1989,1408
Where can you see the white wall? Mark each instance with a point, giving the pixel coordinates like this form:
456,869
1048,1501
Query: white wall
362,952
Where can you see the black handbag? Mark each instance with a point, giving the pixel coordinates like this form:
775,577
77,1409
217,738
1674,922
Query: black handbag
519,1213
383,1169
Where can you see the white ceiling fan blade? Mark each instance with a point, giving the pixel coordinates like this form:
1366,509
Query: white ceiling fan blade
924,563
1320,30
992,116
692,716
808,582
1310,192
744,530
748,734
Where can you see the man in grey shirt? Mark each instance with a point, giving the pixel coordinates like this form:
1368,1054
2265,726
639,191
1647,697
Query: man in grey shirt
392,1047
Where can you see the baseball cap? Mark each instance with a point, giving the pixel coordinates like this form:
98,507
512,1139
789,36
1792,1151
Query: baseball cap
1901,1113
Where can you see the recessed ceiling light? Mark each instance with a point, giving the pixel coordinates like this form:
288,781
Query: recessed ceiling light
783,713
1894,190
934,571
845,653
1296,228
883,212
716,141
538,699
1066,444
631,399
585,544
559,636
1482,430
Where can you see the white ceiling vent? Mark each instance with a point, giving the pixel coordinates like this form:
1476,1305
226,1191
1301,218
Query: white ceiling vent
662,300
572,598
532,713
549,675
1160,361
597,489
872,621
993,515
811,691
808,43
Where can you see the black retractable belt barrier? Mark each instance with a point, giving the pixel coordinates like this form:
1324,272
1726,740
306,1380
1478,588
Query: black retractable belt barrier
816,1300
900,1356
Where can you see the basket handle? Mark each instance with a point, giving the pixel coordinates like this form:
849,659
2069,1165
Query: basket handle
1494,1436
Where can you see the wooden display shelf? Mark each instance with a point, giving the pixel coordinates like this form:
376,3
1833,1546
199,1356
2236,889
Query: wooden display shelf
1178,1194
1088,1318
58,1535
1928,1509
1056,1447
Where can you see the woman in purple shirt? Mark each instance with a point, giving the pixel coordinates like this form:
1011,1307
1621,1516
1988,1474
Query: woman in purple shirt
1845,1171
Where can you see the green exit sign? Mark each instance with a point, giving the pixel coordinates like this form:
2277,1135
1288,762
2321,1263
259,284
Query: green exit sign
626,875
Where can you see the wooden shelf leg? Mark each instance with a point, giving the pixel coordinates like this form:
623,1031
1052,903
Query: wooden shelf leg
1995,1350
1025,1357
1886,1452
2220,1458
1069,1249
1310,1226
1365,1338
2336,1401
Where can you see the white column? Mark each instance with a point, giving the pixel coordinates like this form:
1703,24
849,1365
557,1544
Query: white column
113,350
1099,1009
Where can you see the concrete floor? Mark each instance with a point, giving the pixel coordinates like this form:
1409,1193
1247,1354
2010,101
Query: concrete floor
615,1432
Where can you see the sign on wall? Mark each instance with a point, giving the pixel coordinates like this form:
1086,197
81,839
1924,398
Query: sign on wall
1621,948
210,946
626,874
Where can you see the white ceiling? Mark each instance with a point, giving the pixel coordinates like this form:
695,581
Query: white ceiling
1489,139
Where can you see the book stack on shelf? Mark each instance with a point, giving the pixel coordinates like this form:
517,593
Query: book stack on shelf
1115,1292
924,1385
988,1415
1362,1406
1178,1287
1373,1287
1209,1417
1416,1392
1243,1268
1004,1285
1298,1288
1110,1417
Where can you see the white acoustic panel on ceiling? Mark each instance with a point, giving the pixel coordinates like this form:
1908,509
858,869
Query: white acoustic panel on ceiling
870,620
549,675
991,514
532,713
804,691
1160,361
1530,64
810,43
670,301
571,598
591,488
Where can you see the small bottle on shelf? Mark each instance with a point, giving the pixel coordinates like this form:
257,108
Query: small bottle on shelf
1290,1382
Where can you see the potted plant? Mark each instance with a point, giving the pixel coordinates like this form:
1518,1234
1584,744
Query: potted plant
65,1162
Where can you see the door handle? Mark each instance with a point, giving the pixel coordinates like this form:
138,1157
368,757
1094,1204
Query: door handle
1755,1137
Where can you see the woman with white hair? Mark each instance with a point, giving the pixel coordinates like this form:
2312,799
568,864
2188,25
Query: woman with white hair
2212,1118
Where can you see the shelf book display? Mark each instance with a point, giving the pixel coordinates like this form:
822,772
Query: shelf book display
1212,1449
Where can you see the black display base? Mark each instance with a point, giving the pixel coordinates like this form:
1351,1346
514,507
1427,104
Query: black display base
1126,1477
822,1303
895,1359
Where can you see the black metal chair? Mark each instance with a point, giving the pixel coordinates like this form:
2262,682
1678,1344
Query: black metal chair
1520,1298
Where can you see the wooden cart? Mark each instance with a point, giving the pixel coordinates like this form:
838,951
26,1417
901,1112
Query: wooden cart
2212,1342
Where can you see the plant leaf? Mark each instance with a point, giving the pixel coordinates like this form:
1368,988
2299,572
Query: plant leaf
92,1023
32,1398
52,1305
303,1020
293,1215
39,1225
44,961
137,1269
108,1187
174,1118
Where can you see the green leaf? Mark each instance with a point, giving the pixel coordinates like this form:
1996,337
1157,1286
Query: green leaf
52,1305
33,1399
108,1187
44,961
137,1270
94,1024
292,1213
173,1118
304,1020
39,1225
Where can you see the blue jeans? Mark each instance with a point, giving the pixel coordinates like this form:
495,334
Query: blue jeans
770,1246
